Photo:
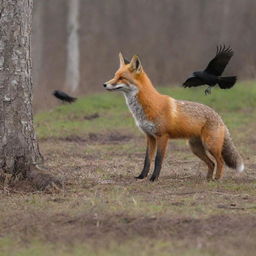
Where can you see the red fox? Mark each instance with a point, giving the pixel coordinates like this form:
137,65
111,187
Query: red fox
162,118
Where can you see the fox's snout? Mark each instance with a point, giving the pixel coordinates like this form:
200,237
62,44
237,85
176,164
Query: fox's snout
109,86
112,86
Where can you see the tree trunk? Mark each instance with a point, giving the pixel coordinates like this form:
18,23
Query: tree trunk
73,64
37,41
18,145
225,19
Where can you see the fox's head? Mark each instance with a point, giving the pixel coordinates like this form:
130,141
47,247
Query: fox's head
128,77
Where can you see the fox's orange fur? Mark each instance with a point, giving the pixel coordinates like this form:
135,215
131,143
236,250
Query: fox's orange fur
162,117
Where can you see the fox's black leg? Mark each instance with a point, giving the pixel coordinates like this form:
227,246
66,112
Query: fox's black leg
208,91
161,148
146,167
151,147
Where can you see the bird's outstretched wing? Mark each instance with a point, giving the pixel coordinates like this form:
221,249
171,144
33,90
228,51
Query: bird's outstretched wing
217,65
63,96
192,82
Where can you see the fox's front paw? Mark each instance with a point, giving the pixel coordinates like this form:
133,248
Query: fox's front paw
140,177
153,178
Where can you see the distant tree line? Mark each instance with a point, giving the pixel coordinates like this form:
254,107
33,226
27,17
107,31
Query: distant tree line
172,37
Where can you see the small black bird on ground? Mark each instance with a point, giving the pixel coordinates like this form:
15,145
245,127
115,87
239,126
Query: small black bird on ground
63,96
212,74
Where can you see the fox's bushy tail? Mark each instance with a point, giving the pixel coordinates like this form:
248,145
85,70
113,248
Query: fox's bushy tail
227,82
230,154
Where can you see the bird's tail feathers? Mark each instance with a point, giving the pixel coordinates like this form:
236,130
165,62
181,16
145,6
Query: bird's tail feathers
227,82
72,99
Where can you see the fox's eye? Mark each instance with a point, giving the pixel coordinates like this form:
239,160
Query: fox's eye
122,78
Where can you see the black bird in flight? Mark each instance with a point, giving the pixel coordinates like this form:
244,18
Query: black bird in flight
63,96
212,74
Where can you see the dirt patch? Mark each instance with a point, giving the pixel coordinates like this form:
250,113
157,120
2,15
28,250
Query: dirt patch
92,116
68,229
112,138
92,138
73,138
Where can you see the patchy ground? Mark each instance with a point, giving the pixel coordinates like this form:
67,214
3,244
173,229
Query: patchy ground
103,210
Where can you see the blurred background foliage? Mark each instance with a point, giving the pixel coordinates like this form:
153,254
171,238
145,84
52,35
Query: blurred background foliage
172,37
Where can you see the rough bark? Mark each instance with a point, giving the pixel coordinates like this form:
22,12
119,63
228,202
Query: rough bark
18,145
73,67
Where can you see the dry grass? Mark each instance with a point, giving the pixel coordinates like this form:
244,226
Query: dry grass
102,204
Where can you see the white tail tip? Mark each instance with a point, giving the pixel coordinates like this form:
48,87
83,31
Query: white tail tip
240,168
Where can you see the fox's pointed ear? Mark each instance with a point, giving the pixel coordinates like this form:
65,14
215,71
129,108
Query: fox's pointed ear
123,61
135,64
